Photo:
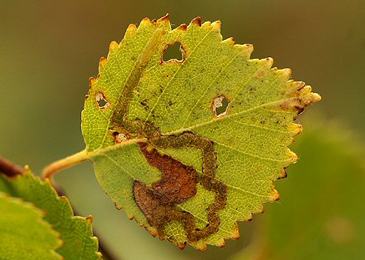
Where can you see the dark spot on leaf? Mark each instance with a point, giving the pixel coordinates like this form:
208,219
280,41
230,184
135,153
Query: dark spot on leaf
144,104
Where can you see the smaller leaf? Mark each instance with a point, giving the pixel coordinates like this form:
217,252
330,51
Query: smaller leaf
23,232
75,232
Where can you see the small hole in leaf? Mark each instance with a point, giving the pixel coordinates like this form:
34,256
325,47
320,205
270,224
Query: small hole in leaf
173,53
101,100
220,106
120,137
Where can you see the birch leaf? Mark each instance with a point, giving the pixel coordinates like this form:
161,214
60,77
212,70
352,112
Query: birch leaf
74,231
23,232
188,146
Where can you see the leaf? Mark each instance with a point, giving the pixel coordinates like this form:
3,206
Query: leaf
321,213
76,232
189,147
20,224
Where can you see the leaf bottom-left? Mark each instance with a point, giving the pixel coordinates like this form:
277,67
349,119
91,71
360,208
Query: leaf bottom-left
36,223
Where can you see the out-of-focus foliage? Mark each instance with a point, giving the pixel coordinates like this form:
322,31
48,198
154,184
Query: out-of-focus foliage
77,241
321,214
23,232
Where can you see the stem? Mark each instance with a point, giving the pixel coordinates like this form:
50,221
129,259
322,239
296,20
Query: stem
64,164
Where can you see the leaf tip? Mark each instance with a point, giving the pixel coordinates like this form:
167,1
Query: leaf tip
245,49
216,25
165,18
202,248
275,195
145,21
92,81
90,219
118,206
181,246
113,46
286,73
197,21
221,243
268,62
284,174
26,168
294,157
230,41
131,28
296,129
182,27
102,62
316,97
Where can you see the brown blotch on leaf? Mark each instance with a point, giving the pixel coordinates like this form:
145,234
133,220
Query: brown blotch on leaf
178,181
207,180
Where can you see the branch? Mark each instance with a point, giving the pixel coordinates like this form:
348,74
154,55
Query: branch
10,169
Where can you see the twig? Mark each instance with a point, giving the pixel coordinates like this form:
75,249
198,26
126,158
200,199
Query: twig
10,169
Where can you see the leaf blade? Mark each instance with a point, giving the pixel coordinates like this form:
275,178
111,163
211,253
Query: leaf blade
172,106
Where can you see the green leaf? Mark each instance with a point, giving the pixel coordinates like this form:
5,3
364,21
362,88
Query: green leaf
189,147
76,232
20,224
321,215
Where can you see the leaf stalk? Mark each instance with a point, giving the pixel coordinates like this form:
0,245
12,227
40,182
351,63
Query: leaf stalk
64,164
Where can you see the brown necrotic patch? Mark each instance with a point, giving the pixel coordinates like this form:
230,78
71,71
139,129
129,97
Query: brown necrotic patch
178,184
178,181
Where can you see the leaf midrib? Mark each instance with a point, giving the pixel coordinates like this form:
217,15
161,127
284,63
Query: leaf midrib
100,151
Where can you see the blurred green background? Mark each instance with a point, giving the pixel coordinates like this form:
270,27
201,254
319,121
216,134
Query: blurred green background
49,49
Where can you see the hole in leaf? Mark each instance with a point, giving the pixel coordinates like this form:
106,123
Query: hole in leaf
120,137
220,106
101,100
173,53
